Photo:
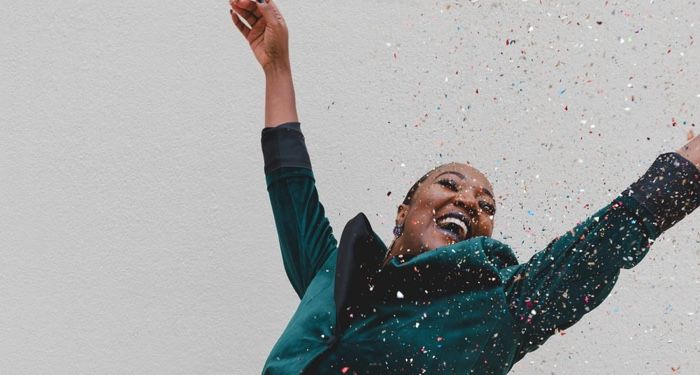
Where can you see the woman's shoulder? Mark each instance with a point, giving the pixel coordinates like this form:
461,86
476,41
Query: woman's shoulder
498,253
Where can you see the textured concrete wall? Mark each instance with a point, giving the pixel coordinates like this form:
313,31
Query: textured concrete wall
136,233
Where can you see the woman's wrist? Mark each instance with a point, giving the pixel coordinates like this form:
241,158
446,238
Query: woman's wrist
277,68
691,151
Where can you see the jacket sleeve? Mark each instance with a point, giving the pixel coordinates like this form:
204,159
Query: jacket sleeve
578,269
305,236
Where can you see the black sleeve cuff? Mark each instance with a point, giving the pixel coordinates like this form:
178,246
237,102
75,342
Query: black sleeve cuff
284,146
669,190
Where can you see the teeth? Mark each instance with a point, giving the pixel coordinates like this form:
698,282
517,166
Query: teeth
454,220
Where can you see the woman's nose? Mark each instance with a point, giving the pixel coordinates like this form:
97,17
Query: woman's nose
468,201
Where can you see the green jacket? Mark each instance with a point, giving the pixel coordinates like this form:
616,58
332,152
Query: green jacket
463,308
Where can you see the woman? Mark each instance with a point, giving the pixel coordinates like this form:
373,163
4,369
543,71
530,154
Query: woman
443,297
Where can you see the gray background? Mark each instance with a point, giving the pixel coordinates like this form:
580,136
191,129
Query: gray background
135,229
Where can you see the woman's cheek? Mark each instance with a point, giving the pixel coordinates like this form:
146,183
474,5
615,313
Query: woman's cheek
482,226
487,225
425,220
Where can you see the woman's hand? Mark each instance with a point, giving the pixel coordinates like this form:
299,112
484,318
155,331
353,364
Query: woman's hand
268,37
691,151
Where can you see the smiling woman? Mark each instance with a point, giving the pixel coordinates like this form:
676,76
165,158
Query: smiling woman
454,205
444,297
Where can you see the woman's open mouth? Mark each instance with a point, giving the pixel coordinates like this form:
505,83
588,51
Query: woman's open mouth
454,224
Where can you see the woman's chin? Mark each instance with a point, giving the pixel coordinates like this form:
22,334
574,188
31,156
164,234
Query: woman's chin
440,239
447,237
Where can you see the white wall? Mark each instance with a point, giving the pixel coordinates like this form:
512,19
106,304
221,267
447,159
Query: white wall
135,229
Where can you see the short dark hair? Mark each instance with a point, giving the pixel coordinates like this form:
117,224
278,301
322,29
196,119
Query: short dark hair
412,191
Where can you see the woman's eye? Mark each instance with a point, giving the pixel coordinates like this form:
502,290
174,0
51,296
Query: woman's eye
449,183
489,208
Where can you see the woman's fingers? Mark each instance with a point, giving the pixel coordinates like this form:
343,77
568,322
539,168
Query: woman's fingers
239,24
248,5
247,15
270,12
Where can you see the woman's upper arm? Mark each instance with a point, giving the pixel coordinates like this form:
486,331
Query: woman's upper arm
577,270
305,236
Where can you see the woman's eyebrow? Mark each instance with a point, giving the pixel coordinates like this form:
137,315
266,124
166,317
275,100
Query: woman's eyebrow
485,190
453,172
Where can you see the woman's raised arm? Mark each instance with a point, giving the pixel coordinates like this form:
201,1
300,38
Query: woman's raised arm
269,41
305,236
578,269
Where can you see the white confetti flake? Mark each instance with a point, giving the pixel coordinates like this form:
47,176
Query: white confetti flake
399,294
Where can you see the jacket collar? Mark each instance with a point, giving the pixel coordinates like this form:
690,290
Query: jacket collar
360,254
466,266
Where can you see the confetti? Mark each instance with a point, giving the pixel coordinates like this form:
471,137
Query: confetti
532,77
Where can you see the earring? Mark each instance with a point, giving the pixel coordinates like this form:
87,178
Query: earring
398,230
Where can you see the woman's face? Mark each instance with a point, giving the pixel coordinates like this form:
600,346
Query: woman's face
453,204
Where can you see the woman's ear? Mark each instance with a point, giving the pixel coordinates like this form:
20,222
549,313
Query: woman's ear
401,214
